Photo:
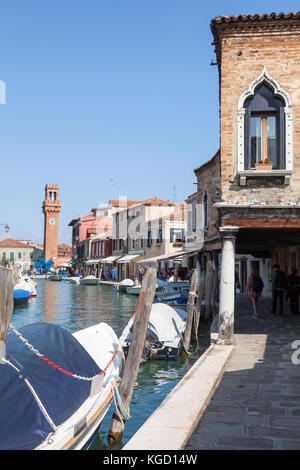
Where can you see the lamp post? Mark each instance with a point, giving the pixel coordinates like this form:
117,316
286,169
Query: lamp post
6,228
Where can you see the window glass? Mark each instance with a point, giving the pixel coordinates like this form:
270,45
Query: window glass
272,139
255,139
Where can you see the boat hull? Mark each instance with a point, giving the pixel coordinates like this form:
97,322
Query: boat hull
88,282
54,278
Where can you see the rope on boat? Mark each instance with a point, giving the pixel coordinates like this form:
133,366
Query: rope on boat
117,398
60,369
139,304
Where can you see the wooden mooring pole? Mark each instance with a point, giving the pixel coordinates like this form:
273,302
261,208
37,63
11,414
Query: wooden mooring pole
190,312
199,305
6,305
134,354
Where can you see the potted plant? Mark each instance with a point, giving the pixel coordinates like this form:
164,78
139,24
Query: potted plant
265,164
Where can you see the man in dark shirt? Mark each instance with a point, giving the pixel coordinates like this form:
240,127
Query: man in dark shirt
278,289
293,291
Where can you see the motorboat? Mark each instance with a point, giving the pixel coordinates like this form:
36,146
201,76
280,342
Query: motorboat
21,292
31,283
56,387
163,292
164,333
136,289
75,279
54,277
89,280
122,286
20,295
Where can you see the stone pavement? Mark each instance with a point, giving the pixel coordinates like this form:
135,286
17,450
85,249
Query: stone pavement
257,403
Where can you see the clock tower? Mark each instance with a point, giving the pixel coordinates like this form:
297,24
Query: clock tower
51,209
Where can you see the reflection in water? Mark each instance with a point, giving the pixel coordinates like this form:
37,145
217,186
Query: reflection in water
78,306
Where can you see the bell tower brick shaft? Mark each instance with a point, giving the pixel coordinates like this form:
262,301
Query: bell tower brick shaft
51,208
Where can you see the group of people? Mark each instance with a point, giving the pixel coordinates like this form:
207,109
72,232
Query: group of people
283,288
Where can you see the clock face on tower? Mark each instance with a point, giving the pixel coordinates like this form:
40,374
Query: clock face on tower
51,221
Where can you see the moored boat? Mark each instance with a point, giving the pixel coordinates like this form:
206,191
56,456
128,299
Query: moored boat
89,280
31,283
54,277
56,387
122,286
164,334
20,295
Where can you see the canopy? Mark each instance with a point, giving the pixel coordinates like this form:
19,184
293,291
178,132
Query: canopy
176,254
23,426
128,258
110,259
93,261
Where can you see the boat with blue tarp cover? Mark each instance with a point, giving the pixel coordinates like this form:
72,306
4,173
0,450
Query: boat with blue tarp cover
21,295
56,387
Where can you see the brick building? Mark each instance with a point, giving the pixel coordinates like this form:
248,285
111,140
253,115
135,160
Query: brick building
252,209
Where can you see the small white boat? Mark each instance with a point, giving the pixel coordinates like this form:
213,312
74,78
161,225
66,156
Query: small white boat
89,280
54,277
134,290
122,286
75,280
55,396
164,334
32,285
163,293
21,292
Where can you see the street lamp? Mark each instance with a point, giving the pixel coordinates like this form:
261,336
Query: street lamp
6,228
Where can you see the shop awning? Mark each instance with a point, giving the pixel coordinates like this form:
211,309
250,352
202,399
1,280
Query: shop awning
93,261
175,255
110,259
128,258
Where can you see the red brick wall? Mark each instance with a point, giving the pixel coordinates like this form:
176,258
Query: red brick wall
244,49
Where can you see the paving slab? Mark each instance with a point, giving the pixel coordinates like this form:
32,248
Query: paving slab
261,377
172,423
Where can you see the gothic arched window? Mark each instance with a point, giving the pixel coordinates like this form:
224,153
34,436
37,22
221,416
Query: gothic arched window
265,125
264,128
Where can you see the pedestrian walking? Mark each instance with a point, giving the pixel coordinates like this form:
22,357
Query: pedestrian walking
255,287
293,291
279,288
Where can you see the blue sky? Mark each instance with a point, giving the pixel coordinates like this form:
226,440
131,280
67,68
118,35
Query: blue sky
106,98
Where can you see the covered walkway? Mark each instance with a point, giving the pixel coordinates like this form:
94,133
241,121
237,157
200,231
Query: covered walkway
257,403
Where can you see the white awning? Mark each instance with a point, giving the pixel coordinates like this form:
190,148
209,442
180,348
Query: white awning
110,259
93,261
128,258
175,255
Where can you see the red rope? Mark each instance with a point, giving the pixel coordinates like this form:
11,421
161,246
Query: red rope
74,375
139,304
60,369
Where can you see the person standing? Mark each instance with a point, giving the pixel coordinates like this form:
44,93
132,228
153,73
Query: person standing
279,287
293,291
255,287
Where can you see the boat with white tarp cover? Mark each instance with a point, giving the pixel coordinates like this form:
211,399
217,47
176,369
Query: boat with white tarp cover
164,335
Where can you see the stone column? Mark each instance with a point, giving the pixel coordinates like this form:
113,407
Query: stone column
198,267
227,286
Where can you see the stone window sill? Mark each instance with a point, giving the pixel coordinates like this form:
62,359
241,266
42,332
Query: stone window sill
284,174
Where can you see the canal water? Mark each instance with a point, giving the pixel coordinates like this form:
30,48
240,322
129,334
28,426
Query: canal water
75,307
